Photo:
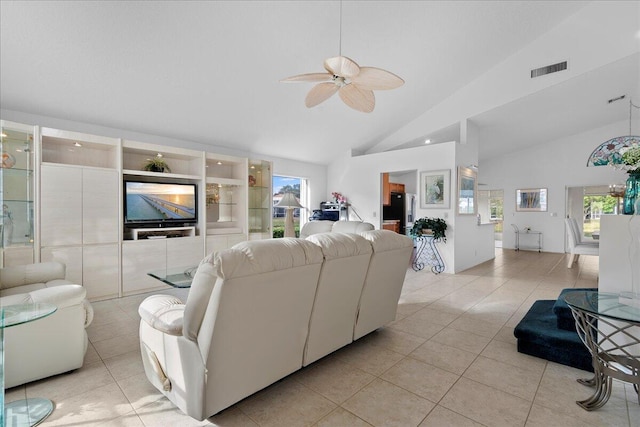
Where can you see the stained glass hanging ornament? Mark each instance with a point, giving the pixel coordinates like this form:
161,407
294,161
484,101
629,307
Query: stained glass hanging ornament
608,153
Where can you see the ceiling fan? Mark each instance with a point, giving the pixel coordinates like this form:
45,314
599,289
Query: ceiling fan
354,84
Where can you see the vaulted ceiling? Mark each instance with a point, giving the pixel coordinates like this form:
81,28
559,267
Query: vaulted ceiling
209,72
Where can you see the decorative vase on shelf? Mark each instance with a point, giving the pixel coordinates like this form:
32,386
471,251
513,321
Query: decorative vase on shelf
632,193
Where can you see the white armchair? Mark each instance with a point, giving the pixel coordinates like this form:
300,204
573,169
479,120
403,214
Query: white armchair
48,346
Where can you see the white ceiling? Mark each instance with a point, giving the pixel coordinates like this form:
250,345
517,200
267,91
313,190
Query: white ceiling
209,72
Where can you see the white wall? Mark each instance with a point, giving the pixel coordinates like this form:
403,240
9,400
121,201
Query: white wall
359,179
598,34
315,174
554,165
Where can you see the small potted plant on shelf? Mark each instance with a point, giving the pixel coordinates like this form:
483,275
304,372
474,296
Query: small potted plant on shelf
435,227
156,164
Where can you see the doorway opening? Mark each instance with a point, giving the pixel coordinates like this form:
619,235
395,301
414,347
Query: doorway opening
491,210
588,204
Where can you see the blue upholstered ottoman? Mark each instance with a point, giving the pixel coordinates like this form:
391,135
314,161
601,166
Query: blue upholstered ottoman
538,335
562,311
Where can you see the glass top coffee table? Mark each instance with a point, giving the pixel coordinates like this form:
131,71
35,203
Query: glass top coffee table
25,412
178,277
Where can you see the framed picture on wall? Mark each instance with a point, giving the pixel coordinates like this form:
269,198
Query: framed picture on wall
531,200
434,189
467,191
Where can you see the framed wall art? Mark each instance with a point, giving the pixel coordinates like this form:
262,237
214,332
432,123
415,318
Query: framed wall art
531,200
434,189
467,191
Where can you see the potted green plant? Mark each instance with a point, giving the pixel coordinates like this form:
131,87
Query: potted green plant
156,164
433,226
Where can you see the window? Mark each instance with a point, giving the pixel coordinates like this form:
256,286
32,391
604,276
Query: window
297,186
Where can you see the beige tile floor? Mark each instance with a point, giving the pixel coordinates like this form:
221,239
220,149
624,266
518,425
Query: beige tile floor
449,359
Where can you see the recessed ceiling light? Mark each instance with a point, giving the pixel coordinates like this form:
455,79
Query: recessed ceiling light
427,141
77,144
159,155
219,163
253,167
4,135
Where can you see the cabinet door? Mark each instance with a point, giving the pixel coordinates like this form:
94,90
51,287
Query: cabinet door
100,213
184,251
61,206
386,190
100,271
219,243
70,256
139,258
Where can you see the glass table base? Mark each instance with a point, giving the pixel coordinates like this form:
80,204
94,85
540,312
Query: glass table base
27,412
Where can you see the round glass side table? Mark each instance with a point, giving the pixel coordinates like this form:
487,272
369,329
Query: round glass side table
25,412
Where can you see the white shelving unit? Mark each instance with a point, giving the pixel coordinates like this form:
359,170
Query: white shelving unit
260,200
76,200
17,193
225,201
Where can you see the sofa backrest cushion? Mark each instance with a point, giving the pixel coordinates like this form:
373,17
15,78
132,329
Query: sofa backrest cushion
315,227
20,275
345,266
351,227
256,323
385,277
263,256
340,245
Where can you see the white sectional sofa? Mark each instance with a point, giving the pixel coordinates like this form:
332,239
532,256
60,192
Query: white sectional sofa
263,309
51,345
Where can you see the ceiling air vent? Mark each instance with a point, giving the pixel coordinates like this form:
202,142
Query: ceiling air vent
549,69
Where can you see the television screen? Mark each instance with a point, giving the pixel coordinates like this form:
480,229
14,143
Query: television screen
154,202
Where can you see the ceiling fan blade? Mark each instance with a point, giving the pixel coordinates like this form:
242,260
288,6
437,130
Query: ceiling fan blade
311,77
376,79
320,93
358,98
342,66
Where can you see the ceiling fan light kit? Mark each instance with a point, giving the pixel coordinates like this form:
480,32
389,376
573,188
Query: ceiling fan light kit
354,84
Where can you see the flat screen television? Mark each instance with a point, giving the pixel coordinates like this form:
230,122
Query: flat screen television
159,204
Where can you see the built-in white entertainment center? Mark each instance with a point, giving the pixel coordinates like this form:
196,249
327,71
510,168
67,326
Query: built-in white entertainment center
95,208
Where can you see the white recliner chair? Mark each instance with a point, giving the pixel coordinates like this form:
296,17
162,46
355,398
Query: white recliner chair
51,345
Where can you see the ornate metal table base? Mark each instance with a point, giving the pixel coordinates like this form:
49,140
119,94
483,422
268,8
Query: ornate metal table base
427,254
611,344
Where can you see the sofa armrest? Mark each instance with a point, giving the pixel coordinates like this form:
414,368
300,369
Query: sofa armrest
163,313
31,273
